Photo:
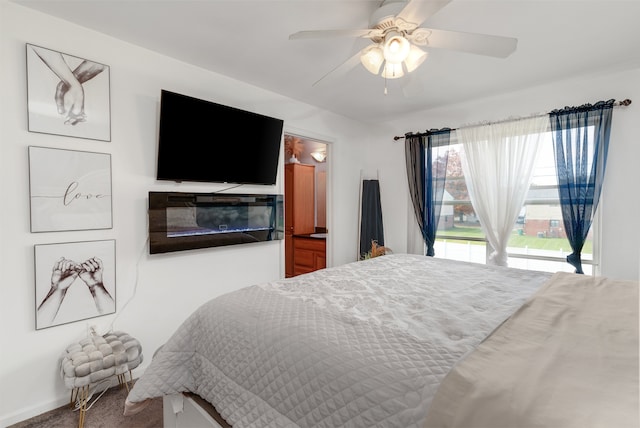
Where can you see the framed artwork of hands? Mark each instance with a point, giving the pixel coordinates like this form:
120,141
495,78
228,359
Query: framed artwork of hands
74,281
67,95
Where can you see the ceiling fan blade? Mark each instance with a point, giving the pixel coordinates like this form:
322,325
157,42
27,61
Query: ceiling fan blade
341,70
479,44
418,11
365,33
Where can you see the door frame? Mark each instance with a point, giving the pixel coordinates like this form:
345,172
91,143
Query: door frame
328,142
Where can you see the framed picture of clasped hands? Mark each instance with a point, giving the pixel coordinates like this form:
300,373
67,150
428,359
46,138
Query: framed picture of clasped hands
74,281
67,95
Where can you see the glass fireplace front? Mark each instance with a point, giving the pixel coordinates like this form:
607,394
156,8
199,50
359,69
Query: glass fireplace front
183,221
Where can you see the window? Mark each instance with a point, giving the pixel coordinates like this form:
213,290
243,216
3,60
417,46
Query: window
538,240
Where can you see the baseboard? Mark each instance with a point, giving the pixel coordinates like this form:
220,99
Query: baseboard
39,409
30,412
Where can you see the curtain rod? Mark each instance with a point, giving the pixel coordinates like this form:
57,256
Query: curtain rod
622,103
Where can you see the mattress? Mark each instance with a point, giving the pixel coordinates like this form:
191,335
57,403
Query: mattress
366,344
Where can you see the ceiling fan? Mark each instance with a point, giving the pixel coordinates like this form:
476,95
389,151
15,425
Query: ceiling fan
396,35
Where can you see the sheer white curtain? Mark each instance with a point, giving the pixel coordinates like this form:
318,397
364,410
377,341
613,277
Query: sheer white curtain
498,162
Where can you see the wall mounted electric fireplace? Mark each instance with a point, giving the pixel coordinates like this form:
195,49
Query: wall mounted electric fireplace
184,221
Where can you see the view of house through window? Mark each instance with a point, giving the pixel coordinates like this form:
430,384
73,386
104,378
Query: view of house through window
538,240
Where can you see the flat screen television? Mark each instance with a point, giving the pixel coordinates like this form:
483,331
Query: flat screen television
204,141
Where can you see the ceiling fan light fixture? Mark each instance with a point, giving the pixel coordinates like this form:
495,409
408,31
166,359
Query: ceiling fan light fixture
392,70
415,58
372,59
396,48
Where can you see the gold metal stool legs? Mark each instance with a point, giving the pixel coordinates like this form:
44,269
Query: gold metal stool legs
80,396
123,382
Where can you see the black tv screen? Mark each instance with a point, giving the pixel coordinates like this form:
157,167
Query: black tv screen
204,141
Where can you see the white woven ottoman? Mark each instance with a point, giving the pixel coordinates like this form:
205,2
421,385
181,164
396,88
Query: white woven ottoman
95,359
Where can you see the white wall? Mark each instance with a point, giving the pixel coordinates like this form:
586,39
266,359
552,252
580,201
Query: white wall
620,201
158,291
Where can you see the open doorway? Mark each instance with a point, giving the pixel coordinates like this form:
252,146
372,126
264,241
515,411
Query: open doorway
305,200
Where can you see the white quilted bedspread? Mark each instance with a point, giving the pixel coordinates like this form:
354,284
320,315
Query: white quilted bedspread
361,345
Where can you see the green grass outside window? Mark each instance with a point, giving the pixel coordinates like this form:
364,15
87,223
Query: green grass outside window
516,240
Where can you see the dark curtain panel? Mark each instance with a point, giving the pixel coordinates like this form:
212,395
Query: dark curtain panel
414,149
426,177
581,141
371,217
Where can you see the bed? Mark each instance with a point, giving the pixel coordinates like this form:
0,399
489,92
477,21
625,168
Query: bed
408,341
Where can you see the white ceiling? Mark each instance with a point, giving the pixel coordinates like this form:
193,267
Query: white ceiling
248,40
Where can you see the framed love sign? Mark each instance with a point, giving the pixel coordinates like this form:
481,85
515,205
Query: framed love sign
69,190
